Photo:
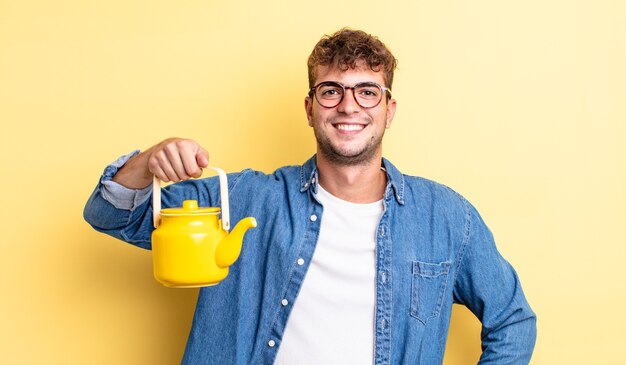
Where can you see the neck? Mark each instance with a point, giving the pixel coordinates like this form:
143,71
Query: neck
364,183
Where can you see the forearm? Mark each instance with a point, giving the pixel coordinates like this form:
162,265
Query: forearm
129,226
508,323
134,174
118,211
489,286
512,341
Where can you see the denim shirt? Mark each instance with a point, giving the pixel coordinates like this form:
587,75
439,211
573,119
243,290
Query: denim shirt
432,250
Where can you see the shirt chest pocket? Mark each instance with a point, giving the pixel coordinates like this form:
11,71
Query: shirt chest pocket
428,287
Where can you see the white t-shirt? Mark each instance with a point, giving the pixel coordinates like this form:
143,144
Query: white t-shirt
332,321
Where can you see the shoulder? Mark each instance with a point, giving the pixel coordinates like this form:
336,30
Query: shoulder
420,189
280,174
254,182
443,203
292,175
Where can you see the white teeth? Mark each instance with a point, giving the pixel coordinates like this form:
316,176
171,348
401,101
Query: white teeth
350,127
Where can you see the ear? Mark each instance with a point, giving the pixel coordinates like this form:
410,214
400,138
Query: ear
308,107
391,111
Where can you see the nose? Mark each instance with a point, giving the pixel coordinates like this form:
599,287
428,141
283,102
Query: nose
348,104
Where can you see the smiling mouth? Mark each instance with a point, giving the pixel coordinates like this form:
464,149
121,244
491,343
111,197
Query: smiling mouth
349,127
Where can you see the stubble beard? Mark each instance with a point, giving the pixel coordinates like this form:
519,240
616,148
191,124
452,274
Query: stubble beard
337,156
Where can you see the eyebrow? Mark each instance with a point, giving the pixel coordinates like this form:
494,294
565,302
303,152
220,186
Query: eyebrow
358,83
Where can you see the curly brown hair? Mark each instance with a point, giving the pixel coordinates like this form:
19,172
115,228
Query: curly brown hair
346,48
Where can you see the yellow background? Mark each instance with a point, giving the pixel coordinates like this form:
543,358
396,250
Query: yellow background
518,105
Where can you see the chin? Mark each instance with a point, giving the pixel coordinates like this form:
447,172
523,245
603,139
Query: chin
347,158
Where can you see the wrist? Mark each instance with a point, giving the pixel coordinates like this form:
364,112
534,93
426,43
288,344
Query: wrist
134,174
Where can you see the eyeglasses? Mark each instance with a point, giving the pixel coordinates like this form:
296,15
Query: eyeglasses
329,94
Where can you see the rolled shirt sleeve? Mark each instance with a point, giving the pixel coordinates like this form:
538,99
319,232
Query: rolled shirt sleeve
113,208
120,196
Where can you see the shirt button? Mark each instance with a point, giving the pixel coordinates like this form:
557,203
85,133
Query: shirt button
284,302
300,262
313,181
271,343
313,218
382,231
383,277
383,324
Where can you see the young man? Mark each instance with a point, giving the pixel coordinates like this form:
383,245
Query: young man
352,262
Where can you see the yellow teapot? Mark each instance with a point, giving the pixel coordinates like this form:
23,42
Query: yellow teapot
191,246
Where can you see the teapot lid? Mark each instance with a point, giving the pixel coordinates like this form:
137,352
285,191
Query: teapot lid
190,207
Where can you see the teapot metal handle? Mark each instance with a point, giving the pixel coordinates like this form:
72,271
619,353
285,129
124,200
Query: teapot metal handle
156,199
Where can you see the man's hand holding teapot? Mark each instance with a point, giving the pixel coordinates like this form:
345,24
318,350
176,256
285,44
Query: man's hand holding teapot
174,159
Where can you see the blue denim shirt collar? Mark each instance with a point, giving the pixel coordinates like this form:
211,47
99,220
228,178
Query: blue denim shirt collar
395,179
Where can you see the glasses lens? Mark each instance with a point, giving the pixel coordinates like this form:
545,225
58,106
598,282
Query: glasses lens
329,94
368,94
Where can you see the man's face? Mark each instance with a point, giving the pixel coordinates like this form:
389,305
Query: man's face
349,134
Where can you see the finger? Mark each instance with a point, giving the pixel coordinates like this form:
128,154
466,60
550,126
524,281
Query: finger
173,153
202,157
163,161
188,157
156,170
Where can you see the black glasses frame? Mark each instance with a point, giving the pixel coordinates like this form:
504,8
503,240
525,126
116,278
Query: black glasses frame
384,90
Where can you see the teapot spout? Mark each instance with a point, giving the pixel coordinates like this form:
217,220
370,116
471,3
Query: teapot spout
229,248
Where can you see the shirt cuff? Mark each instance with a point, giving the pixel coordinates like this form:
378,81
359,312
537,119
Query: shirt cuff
118,195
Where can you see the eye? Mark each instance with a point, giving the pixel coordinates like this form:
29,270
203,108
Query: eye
329,91
368,91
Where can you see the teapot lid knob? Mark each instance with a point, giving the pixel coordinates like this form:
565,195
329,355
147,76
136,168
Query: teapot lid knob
190,204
